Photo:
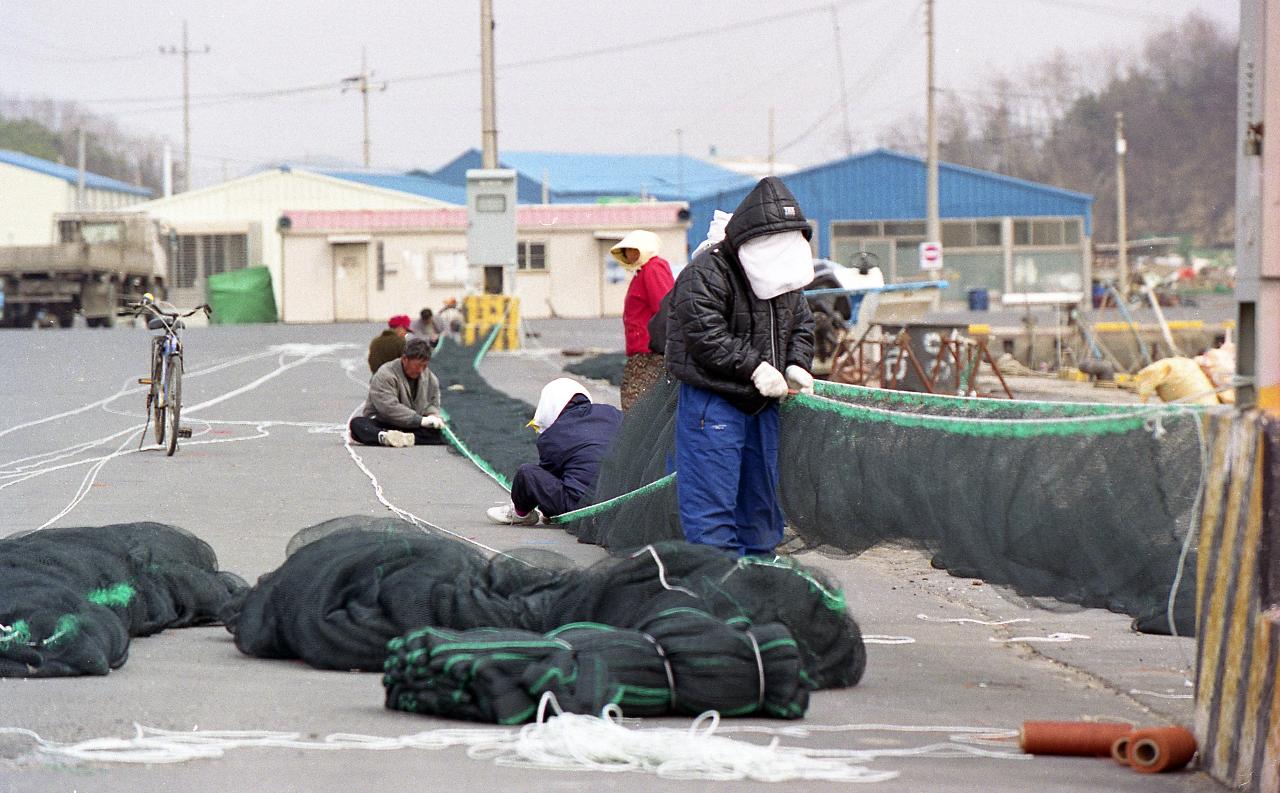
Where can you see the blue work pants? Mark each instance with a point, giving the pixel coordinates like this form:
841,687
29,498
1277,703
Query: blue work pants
727,473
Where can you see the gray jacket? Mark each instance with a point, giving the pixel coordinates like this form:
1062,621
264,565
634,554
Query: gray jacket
389,399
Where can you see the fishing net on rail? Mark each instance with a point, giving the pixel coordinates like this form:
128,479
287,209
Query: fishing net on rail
1065,504
71,598
605,366
359,583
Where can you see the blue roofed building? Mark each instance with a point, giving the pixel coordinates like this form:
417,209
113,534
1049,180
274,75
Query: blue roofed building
415,183
999,233
33,190
592,178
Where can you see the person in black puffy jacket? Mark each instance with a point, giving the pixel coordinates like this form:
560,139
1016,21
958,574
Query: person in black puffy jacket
739,337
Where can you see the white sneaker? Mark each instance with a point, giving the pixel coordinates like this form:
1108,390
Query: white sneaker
507,516
395,439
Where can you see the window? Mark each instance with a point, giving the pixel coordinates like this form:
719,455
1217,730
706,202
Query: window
958,234
1071,232
1022,232
531,256
203,255
448,268
987,233
381,255
1046,232
844,228
904,229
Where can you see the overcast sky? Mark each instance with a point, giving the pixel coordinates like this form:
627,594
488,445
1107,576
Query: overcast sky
573,75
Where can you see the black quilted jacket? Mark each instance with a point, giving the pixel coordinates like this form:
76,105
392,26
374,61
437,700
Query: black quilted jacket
718,332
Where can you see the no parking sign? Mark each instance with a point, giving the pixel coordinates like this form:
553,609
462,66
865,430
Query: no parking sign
930,256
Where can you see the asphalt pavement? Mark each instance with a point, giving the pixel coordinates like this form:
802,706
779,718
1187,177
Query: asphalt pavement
267,406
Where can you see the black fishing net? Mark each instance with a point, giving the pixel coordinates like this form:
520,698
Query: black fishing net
681,660
71,598
1063,503
605,366
490,423
358,583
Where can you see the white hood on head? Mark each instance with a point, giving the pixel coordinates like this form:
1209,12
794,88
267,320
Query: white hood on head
644,241
555,395
777,263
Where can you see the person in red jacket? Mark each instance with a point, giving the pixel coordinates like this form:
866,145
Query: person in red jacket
638,252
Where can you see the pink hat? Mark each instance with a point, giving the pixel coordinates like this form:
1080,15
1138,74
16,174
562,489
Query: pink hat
399,321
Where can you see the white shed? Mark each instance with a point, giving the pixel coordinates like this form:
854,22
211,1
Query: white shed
33,190
233,225
359,266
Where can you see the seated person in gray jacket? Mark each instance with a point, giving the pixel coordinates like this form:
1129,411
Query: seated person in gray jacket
403,408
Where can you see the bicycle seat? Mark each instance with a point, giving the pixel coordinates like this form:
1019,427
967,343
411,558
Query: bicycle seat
155,323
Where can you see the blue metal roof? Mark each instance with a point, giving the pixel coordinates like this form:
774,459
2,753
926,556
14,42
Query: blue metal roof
888,185
583,178
69,174
413,183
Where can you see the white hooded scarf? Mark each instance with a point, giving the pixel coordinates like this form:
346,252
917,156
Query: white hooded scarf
776,263
555,395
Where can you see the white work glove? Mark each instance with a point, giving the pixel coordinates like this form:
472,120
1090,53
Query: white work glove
432,422
769,381
799,379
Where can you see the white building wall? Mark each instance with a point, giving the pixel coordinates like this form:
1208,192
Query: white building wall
235,207
574,284
28,201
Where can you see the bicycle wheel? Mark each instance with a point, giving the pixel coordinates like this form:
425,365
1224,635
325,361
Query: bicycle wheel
157,388
174,407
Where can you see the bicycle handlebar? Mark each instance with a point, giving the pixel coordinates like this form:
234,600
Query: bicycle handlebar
153,307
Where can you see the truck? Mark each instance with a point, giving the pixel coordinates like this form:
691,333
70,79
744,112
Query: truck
100,261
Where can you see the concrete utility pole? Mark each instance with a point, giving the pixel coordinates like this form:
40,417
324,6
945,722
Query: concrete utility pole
1122,224
1257,204
933,229
844,91
186,52
680,161
80,170
361,83
488,120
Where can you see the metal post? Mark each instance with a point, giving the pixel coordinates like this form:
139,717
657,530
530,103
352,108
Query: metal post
933,229
80,195
488,121
186,53
1122,226
364,97
844,91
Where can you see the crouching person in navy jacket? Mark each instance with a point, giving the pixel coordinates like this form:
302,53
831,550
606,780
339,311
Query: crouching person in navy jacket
573,436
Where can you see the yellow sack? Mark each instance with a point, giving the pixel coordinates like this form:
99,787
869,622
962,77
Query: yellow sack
1175,379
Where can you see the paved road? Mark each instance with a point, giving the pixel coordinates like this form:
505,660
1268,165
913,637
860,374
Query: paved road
267,459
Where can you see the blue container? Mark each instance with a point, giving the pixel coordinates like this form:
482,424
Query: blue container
979,300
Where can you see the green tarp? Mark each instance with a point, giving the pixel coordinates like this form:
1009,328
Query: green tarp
241,297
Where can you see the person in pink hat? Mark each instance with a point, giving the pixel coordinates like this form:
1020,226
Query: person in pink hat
389,345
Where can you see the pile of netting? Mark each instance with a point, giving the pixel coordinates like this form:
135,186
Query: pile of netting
605,366
487,425
71,598
673,628
1063,503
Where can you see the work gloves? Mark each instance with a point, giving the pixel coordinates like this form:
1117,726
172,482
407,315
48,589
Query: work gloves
432,422
799,380
769,381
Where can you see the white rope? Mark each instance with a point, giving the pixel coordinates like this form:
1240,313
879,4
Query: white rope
880,638
1056,638
662,571
971,621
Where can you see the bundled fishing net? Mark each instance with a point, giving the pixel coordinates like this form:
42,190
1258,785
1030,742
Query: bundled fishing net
1064,503
71,598
605,366
681,660
339,599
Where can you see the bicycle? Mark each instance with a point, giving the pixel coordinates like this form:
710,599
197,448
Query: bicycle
164,399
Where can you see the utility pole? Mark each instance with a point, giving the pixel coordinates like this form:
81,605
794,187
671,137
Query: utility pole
933,229
844,89
361,83
80,170
772,151
488,120
186,52
1122,225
